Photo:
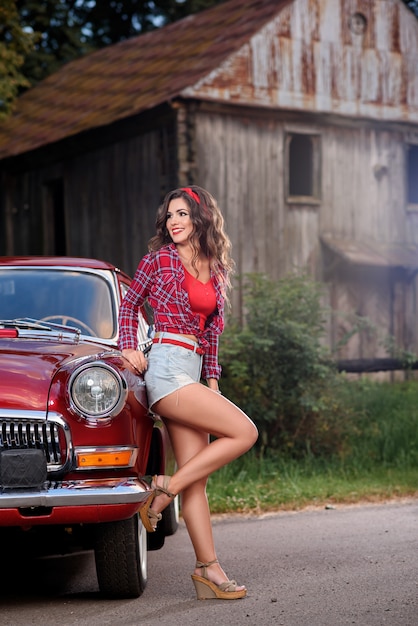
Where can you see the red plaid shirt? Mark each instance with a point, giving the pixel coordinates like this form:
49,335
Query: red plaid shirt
160,278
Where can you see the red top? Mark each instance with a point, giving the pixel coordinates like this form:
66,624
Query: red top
202,297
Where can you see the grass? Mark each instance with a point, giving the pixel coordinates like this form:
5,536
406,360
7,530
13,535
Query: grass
379,460
293,487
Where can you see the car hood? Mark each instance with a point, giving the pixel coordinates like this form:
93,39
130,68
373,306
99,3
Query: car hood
27,368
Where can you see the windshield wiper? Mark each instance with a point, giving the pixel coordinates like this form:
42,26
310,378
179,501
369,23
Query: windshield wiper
32,324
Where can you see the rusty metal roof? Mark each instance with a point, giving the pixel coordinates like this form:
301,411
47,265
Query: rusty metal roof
127,78
373,253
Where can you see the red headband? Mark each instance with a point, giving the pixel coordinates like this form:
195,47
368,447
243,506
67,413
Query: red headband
191,193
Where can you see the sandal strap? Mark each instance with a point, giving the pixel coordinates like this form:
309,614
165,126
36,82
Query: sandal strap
153,516
228,585
163,489
205,565
159,490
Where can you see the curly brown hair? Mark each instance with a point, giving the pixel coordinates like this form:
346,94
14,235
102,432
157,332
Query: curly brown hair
208,235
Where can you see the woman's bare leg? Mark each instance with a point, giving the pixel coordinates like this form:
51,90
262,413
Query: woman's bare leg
187,442
190,414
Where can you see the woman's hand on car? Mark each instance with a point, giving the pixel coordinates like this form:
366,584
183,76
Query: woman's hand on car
136,358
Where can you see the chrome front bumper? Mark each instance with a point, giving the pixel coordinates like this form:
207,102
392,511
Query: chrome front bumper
77,493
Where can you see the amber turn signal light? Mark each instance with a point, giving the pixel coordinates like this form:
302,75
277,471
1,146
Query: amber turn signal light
105,458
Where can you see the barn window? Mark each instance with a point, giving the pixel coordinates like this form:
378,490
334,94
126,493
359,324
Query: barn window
303,168
412,174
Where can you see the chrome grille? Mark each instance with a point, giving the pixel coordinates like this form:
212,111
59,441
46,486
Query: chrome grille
19,434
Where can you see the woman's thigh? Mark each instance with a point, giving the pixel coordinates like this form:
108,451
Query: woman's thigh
202,409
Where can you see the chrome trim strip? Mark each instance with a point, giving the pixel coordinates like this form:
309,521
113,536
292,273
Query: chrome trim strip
17,414
58,419
78,493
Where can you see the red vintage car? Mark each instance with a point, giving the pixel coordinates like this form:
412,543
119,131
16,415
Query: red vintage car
76,438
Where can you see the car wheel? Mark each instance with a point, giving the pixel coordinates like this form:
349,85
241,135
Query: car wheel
121,558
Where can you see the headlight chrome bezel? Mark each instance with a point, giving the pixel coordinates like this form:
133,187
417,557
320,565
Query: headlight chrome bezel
120,395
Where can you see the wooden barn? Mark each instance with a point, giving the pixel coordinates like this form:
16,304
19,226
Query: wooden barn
300,116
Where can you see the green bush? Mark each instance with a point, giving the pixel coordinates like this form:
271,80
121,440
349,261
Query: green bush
276,370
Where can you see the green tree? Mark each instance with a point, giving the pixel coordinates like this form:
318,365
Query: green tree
60,27
15,44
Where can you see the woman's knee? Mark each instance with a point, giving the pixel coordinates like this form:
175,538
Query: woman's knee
250,436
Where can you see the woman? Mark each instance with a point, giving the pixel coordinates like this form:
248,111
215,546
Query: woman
185,277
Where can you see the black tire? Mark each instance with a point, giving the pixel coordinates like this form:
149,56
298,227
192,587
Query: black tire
121,558
155,540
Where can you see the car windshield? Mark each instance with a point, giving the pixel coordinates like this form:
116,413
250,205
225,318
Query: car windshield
67,297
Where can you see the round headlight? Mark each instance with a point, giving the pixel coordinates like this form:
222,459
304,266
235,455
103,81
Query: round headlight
97,391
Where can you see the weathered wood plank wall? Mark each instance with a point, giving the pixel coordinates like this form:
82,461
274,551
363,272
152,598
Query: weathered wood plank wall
113,194
110,197
362,196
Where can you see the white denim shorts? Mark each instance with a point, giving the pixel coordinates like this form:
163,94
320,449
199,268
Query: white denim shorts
170,367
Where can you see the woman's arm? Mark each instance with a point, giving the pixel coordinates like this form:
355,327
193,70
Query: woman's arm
213,384
128,315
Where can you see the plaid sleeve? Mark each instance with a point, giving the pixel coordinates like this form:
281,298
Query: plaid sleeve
211,367
133,300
